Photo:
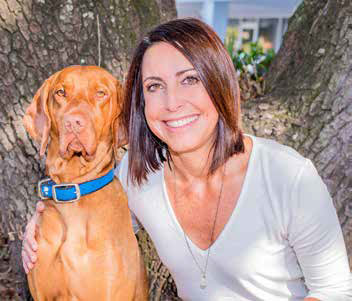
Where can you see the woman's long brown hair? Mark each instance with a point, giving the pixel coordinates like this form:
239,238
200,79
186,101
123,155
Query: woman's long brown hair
203,48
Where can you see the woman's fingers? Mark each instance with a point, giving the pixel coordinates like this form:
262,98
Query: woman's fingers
29,235
29,244
24,265
30,253
29,247
26,262
32,226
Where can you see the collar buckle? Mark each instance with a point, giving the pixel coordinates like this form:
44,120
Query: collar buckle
40,183
66,185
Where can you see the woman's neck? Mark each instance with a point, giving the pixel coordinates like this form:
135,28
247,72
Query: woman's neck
192,165
195,165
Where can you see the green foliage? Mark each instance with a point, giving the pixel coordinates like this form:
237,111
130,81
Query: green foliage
256,62
251,65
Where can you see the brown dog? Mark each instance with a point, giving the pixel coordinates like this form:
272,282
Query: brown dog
86,248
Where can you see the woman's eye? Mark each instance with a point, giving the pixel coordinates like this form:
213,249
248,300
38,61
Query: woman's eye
153,87
60,92
190,80
101,93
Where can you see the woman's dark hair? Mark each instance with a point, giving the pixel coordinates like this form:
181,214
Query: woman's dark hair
205,51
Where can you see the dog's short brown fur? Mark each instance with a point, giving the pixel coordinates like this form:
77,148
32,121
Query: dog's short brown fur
87,249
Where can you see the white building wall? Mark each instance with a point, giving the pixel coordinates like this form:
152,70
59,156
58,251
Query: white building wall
216,13
212,12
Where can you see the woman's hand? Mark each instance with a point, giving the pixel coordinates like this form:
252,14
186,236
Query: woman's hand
29,244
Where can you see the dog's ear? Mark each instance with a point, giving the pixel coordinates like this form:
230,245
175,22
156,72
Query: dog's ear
37,119
120,137
119,133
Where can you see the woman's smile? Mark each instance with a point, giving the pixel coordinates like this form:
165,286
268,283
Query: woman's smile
181,122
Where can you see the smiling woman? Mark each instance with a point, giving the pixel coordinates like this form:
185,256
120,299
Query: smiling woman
210,76
248,218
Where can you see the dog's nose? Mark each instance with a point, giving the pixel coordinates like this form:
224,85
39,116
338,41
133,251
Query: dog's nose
74,123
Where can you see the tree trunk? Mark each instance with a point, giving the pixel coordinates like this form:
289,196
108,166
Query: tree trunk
37,38
308,102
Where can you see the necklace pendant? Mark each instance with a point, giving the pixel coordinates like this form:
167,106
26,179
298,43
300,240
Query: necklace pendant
203,282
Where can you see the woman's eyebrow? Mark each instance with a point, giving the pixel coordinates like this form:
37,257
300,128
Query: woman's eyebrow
160,79
152,77
184,71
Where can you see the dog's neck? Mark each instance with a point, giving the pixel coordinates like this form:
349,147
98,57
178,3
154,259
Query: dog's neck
77,169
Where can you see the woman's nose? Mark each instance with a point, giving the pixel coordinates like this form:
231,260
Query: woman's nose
173,100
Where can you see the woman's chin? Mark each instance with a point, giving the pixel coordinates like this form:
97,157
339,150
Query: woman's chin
186,148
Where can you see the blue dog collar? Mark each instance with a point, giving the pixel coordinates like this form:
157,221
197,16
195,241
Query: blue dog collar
70,192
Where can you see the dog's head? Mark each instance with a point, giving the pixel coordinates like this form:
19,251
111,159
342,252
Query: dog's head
78,108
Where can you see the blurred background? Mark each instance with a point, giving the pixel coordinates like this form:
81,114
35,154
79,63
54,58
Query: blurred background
243,21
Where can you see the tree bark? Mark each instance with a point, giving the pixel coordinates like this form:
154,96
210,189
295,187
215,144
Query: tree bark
308,98
38,38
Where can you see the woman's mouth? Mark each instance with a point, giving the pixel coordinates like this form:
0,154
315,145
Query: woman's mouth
182,121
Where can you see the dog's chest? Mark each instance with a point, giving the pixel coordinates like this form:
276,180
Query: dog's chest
77,268
81,249
78,237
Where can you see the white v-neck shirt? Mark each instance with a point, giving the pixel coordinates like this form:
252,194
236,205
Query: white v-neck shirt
282,242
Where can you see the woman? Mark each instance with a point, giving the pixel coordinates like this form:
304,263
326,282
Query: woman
247,218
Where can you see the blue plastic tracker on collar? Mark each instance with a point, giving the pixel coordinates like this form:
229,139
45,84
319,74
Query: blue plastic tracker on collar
70,192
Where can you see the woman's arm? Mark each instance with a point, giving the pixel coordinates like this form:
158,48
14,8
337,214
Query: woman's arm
29,244
315,234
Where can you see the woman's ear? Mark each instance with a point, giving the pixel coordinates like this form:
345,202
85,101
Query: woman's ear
37,119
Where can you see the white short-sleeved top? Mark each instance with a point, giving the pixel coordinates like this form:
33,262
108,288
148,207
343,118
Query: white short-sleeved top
282,242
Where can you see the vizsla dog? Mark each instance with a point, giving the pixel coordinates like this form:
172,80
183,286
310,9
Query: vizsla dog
86,246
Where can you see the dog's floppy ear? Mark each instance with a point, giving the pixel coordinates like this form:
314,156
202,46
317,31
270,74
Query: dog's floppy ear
37,119
120,137
119,134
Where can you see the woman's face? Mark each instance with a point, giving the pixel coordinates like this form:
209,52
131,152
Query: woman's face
178,109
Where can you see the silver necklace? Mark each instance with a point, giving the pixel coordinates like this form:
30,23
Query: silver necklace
203,279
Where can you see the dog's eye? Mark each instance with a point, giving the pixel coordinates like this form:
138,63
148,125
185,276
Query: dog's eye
101,93
60,92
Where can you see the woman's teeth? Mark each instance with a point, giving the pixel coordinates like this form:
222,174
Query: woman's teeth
181,122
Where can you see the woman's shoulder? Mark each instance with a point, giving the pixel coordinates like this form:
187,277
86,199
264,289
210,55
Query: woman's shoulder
273,149
280,165
286,174
277,157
